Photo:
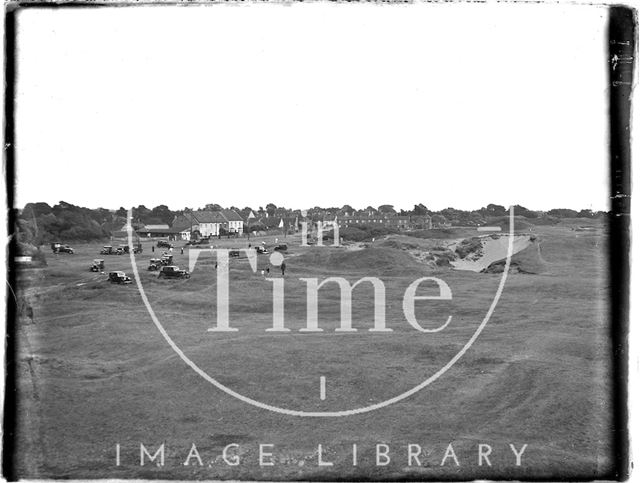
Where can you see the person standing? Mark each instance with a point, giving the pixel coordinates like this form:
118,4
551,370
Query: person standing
181,250
283,267
153,248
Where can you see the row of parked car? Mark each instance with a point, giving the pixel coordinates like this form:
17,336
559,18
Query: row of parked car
163,265
170,271
121,250
166,270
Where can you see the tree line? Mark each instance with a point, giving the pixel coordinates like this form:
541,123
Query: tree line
40,223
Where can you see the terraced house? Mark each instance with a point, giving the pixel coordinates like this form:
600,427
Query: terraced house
209,223
398,222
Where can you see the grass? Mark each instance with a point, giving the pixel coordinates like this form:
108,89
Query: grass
101,373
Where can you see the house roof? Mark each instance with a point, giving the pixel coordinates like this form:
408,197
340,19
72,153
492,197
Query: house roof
206,216
155,227
168,231
182,225
231,215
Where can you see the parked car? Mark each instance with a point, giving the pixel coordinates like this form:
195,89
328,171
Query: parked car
119,278
119,251
166,260
107,250
154,264
172,271
260,250
164,243
281,248
60,248
97,265
234,253
201,241
136,249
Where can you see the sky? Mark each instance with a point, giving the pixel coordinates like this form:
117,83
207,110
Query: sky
449,105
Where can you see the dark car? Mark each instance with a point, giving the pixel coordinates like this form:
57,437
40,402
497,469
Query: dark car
136,249
119,251
234,253
260,250
171,271
60,248
119,278
164,244
281,248
166,259
107,250
97,266
154,264
201,241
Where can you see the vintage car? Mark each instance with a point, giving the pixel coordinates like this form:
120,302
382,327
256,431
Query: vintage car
119,278
107,250
60,248
172,271
281,248
166,259
260,250
136,249
164,243
119,251
234,253
154,264
97,265
201,241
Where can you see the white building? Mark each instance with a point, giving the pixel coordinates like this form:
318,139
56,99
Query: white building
208,223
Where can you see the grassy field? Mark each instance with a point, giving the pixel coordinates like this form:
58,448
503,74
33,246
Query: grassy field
95,372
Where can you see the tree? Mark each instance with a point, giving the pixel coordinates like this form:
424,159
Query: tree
496,210
563,213
388,209
438,220
271,209
244,212
35,209
420,210
522,211
162,213
213,207
140,213
347,209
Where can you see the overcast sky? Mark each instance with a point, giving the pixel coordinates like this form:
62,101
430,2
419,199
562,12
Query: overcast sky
313,104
